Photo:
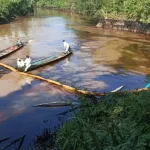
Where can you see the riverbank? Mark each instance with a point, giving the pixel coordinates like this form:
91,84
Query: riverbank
106,61
11,9
124,25
118,121
119,14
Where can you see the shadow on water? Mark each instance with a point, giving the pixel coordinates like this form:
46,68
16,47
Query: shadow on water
103,61
17,107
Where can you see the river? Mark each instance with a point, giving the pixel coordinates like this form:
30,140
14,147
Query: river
102,60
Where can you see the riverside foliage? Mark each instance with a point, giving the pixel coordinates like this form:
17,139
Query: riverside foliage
137,10
119,121
9,9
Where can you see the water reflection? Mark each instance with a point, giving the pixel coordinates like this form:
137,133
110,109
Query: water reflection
12,82
102,61
67,61
116,48
17,111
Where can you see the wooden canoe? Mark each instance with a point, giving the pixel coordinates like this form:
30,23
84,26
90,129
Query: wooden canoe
56,104
45,61
9,51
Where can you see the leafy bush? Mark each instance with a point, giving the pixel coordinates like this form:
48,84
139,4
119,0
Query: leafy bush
10,9
138,10
117,122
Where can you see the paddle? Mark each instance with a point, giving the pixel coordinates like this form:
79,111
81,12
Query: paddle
29,41
117,89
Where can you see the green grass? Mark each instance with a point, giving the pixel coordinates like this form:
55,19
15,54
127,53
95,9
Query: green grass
117,122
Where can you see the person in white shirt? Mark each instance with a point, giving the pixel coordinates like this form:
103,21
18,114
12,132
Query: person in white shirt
66,46
19,43
27,63
20,63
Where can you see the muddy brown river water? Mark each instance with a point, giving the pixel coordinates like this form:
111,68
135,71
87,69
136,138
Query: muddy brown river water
102,60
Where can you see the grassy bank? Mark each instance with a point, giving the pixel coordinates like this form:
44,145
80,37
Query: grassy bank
117,9
117,122
10,9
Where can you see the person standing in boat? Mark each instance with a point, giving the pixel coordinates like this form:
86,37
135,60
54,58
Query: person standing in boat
27,63
20,63
19,43
66,47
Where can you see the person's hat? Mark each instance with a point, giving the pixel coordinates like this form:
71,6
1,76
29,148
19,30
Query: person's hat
63,40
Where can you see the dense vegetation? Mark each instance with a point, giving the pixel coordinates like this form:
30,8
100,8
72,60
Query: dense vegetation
138,10
117,122
10,9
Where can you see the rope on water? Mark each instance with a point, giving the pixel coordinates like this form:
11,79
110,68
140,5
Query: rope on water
68,88
53,82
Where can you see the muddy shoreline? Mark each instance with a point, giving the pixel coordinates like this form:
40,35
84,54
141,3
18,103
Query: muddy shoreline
114,24
124,25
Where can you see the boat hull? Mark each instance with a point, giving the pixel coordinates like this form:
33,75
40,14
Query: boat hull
9,51
45,61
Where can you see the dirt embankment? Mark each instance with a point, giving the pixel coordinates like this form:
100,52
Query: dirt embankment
124,25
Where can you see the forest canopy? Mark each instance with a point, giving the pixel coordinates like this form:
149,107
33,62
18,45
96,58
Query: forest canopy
12,8
137,10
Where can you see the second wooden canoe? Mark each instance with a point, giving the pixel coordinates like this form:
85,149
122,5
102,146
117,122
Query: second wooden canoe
9,50
45,61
